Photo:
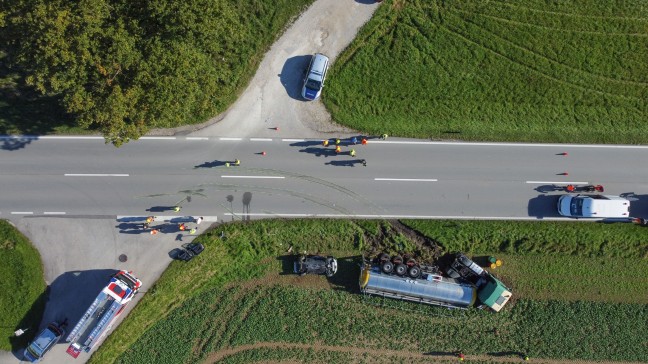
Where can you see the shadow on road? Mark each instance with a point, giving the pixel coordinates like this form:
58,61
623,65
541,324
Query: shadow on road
293,74
549,188
638,204
543,206
318,152
345,163
12,143
211,164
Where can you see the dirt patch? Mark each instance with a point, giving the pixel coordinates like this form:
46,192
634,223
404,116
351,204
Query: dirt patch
426,251
362,354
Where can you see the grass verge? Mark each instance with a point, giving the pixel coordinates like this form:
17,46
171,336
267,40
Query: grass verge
21,288
531,70
225,285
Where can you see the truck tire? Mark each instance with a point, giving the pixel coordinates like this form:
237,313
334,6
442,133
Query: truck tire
411,262
414,272
401,269
387,267
397,260
384,257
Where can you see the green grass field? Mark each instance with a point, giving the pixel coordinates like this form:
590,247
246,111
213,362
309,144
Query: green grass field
21,287
531,70
235,295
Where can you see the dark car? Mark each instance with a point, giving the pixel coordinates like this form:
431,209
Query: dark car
184,254
315,264
195,248
45,340
463,267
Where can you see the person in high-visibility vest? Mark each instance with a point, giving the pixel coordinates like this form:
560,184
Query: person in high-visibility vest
192,231
154,232
237,162
352,152
182,227
384,136
338,149
325,142
337,141
150,219
176,208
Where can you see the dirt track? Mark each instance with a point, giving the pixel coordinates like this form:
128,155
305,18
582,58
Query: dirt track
360,353
272,99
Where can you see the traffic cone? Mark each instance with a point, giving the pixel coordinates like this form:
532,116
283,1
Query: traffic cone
276,128
563,154
263,153
563,174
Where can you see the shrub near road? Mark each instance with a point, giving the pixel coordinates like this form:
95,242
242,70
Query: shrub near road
234,294
123,68
530,70
21,287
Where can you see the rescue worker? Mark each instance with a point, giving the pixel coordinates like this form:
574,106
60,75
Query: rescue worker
325,143
364,162
150,219
352,152
337,141
354,140
192,231
237,162
384,136
154,232
176,208
182,227
338,149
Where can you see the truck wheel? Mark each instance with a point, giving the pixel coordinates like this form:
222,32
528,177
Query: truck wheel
401,269
383,258
387,267
397,259
414,271
411,262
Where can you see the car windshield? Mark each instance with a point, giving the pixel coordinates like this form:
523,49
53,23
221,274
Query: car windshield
313,85
576,206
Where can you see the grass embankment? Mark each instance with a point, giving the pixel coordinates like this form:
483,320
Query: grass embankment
21,287
234,294
531,70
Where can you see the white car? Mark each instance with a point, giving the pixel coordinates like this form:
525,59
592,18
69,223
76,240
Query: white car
598,206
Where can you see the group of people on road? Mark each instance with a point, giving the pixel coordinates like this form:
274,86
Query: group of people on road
182,226
353,141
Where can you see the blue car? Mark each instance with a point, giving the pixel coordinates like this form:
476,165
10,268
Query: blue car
44,342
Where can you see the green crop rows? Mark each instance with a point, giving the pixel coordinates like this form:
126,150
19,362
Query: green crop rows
262,314
236,293
532,70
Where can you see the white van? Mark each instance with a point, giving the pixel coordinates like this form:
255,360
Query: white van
315,76
600,206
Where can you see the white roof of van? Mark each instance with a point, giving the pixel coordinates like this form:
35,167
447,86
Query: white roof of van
612,206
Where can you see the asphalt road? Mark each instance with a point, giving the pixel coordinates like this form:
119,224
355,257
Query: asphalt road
403,178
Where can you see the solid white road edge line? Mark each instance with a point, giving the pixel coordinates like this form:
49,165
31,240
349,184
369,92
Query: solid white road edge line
94,175
558,183
431,217
407,179
168,218
270,177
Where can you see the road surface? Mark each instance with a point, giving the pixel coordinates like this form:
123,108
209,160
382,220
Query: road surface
299,177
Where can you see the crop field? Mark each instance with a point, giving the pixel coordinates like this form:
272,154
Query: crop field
529,70
21,287
239,303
